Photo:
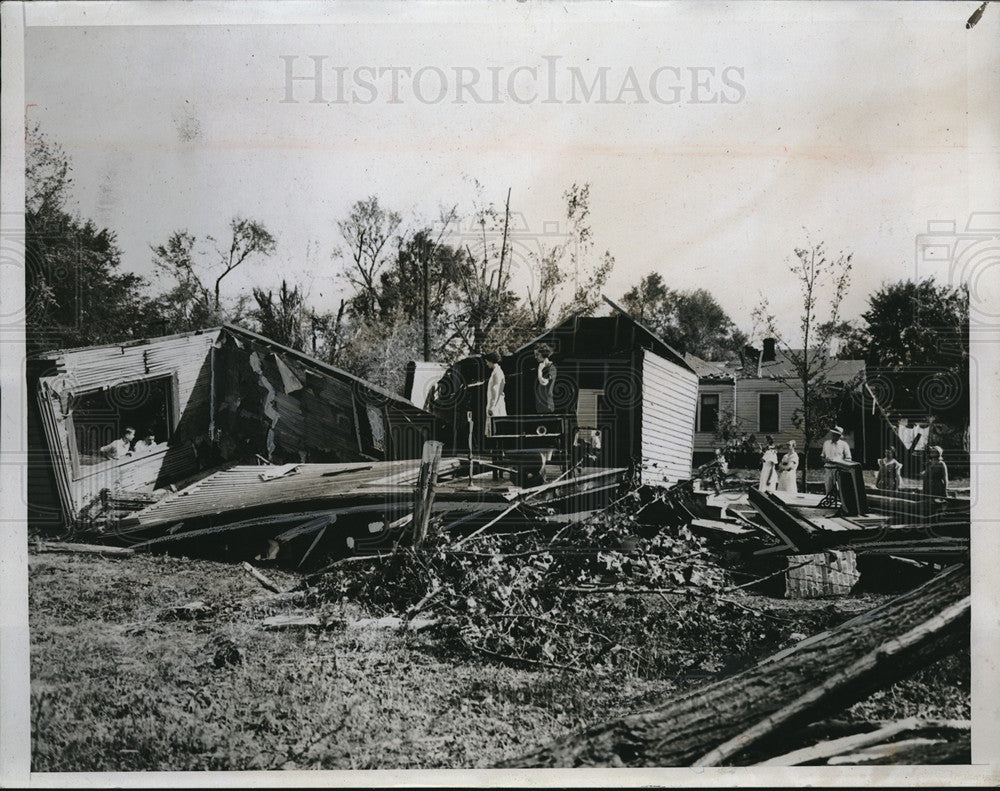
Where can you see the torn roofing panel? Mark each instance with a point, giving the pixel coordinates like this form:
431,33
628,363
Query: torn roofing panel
372,391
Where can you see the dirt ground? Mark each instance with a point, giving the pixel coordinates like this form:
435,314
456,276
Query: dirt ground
118,686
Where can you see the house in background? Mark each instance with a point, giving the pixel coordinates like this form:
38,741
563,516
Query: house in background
211,397
756,394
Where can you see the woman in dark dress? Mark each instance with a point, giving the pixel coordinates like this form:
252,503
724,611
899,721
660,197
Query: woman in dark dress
936,474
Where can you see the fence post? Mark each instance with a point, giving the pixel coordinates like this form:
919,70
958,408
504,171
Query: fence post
426,487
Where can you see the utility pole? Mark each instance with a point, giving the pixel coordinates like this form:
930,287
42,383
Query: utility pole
427,325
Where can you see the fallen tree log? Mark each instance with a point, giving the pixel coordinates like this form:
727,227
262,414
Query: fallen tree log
679,730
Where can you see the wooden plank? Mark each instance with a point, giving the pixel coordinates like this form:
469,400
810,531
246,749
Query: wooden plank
845,744
515,493
879,752
426,486
261,578
84,549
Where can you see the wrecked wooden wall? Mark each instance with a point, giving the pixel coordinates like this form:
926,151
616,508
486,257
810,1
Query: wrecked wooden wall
60,379
614,372
231,396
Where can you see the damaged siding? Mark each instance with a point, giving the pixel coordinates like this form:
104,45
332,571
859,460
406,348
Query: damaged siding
280,409
669,399
211,397
65,376
289,407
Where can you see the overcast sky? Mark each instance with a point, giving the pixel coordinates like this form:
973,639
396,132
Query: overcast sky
739,131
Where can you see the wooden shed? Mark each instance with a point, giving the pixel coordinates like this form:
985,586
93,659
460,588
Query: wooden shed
621,379
208,398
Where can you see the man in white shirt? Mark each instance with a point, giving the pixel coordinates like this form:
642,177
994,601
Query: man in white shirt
834,450
120,447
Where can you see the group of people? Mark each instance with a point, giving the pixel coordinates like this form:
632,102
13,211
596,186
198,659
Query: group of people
778,474
127,445
934,477
544,383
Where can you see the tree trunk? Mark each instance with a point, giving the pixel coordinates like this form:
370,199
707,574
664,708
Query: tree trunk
681,729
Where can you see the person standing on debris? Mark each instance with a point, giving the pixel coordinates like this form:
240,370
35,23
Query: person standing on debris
121,447
787,468
834,450
768,462
545,380
936,474
496,404
889,476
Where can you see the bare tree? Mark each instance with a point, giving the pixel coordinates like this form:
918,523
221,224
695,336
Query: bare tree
572,260
823,283
249,237
281,317
176,259
367,231
489,313
191,303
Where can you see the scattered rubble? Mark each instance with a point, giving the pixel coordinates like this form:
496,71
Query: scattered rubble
596,571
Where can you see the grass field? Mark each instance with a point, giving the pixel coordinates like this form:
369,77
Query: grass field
117,687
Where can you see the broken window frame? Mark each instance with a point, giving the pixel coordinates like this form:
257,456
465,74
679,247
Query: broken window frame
80,471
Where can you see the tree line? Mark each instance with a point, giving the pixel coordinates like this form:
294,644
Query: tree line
466,283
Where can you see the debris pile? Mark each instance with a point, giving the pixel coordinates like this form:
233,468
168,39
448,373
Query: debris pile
571,599
754,714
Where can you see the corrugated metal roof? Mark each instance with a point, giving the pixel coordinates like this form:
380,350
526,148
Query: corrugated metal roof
125,344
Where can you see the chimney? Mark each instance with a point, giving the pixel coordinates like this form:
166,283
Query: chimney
768,356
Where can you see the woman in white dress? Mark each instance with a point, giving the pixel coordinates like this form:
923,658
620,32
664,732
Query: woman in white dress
768,462
496,404
787,469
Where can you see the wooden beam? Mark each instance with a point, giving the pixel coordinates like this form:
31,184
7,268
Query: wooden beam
261,578
84,549
857,741
425,490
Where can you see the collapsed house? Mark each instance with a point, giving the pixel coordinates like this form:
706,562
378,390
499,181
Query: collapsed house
207,399
208,409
